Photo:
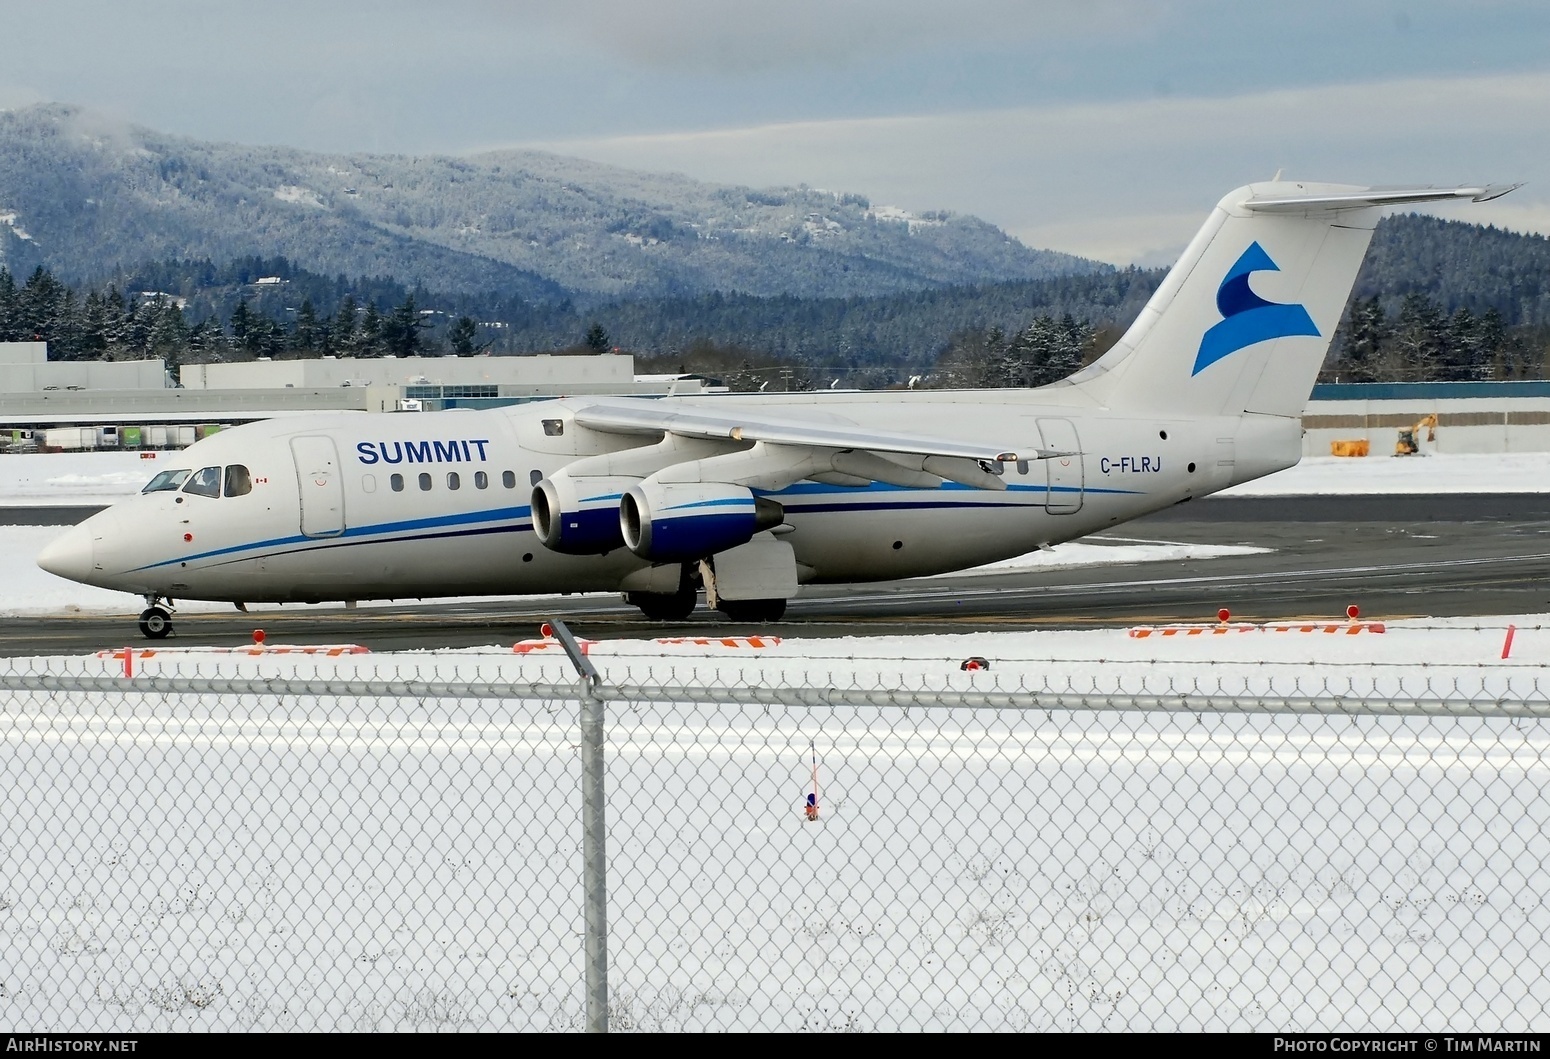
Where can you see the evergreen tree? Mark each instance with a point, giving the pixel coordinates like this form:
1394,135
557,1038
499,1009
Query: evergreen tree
242,322
368,340
1363,347
308,336
1463,358
168,334
1055,350
1418,342
1011,361
463,335
10,317
207,343
401,330
1076,338
115,314
341,333
597,339
134,331
997,360
96,325
1493,344
266,338
41,305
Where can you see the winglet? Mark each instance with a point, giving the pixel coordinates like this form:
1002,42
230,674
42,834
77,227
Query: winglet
1495,191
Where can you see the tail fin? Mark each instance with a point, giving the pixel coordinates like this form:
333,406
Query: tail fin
1210,342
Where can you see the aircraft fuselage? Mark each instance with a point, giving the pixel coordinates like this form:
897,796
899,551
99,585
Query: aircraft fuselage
418,505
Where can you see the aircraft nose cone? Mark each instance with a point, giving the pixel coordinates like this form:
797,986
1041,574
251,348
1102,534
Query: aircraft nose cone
69,555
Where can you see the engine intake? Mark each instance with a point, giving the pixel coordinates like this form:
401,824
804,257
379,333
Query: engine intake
579,516
673,522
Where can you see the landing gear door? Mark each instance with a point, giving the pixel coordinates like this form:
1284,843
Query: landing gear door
320,486
1065,472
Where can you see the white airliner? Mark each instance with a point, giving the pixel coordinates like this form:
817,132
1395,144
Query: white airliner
750,496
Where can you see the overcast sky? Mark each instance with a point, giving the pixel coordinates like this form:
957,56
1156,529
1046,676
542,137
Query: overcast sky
1101,127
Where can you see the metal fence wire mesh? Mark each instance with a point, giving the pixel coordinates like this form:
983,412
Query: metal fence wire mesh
387,848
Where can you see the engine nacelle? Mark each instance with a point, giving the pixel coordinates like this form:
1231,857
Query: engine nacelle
579,516
678,522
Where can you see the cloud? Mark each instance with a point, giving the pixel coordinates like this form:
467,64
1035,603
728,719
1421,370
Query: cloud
1137,176
752,35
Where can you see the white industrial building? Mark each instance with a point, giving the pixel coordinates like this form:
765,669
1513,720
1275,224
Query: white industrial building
25,368
108,403
481,376
1471,416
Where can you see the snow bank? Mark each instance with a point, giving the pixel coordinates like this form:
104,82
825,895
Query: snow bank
1512,472
66,479
282,862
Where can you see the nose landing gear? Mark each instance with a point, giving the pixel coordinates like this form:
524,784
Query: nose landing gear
155,620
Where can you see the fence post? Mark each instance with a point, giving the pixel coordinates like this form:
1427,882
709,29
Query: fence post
594,857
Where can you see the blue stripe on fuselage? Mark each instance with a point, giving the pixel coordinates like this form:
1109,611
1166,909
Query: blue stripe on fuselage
812,488
461,519
798,492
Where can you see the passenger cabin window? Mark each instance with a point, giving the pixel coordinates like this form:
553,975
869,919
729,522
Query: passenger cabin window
454,481
554,427
205,482
425,481
509,479
534,477
397,482
481,480
166,481
238,481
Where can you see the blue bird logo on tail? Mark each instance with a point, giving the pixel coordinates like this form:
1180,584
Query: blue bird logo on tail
1246,317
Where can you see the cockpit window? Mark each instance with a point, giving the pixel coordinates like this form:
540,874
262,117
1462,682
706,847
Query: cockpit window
205,482
166,481
238,481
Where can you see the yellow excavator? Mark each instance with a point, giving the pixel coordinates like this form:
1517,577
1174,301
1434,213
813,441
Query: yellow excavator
1408,443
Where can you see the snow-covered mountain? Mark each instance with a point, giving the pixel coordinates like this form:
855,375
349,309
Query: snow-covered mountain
88,196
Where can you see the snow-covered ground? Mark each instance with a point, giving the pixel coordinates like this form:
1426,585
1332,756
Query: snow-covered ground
279,861
1509,472
46,479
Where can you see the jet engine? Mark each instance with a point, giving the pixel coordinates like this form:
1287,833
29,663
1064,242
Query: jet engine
678,522
579,516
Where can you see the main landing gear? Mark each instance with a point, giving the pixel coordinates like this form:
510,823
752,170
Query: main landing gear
750,569
156,621
667,606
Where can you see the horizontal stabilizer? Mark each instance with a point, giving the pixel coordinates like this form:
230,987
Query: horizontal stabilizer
1355,200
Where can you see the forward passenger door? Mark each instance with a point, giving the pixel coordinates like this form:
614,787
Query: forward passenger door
320,486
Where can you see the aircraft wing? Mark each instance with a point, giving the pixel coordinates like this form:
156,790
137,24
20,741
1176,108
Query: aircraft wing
651,418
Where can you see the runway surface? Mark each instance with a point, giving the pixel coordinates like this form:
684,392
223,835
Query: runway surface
1394,556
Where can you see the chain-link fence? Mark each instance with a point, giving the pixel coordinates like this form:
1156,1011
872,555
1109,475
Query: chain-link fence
397,843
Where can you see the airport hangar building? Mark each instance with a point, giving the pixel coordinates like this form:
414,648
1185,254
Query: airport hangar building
117,403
